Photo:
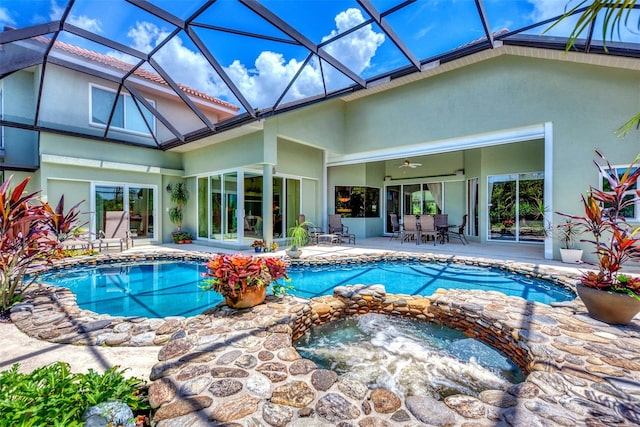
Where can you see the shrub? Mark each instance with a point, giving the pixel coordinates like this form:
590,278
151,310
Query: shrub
29,231
54,396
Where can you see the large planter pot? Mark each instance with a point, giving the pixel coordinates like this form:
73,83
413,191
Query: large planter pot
571,256
293,254
250,298
608,307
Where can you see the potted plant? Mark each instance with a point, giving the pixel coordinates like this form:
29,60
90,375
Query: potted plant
181,237
179,196
243,279
298,235
567,233
608,295
258,245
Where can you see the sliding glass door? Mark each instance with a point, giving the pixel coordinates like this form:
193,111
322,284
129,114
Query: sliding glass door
136,200
516,209
221,196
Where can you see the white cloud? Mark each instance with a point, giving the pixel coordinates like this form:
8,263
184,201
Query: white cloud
357,49
82,21
263,81
5,17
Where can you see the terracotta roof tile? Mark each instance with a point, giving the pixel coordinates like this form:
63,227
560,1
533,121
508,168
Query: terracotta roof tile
140,72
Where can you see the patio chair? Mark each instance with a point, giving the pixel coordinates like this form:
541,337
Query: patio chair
395,226
410,229
459,233
428,228
442,225
342,231
116,230
312,231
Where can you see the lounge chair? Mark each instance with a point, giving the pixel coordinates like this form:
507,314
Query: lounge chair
116,230
79,241
428,227
459,233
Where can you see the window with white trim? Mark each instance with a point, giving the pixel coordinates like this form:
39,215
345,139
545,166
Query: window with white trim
632,211
126,116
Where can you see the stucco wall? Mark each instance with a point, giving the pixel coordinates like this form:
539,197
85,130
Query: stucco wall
238,152
66,102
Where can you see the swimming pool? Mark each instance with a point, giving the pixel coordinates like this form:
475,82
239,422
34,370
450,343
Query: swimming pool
170,288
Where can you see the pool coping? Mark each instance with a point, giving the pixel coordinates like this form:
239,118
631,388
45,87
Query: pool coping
52,314
579,370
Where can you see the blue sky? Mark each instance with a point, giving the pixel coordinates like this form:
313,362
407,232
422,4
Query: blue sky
262,68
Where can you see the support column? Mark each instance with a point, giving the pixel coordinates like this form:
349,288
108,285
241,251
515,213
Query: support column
267,203
548,186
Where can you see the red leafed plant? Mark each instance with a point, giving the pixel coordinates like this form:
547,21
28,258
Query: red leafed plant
613,238
28,238
232,275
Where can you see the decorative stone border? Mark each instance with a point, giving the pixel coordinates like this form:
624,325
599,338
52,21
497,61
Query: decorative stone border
51,313
239,367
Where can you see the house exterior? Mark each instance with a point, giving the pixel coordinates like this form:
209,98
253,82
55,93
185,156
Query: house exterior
505,136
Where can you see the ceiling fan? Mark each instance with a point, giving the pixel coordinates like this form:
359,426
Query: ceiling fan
408,164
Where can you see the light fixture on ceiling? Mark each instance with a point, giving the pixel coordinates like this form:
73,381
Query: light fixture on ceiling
408,164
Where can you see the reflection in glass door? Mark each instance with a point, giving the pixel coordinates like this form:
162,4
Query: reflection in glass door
136,200
203,208
217,213
230,225
502,207
253,206
292,208
216,209
393,206
108,198
141,212
531,226
516,210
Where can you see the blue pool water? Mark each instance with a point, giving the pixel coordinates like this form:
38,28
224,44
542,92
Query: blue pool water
170,288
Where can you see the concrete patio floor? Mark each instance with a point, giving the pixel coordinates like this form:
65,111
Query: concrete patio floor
31,353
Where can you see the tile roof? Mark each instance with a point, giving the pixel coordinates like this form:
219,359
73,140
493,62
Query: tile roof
140,72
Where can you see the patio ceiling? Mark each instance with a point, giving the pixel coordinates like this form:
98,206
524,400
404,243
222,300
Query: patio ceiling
319,50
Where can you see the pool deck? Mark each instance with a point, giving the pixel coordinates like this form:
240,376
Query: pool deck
583,372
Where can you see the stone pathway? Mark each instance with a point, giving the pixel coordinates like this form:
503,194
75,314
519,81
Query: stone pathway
239,368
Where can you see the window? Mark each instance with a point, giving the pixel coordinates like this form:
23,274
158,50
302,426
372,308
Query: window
126,115
357,202
631,211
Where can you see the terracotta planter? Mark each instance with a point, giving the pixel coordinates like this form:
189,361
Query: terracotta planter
608,307
250,298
